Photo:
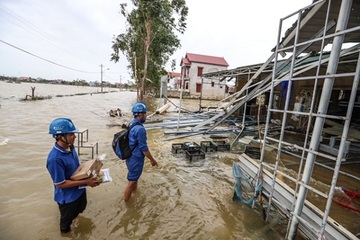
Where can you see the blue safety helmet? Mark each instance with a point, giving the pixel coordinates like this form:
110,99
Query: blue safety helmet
138,108
62,126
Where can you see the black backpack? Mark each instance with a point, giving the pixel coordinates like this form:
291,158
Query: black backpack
120,143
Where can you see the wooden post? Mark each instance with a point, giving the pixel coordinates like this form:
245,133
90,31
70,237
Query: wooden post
33,92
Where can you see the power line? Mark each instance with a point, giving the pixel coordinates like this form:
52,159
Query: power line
21,20
33,29
60,65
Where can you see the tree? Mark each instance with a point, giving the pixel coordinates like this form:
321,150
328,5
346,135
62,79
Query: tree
149,39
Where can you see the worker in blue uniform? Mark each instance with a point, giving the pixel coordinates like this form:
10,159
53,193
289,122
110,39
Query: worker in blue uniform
137,142
61,163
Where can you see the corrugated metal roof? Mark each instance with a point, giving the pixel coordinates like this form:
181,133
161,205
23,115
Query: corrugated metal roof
244,70
313,20
192,57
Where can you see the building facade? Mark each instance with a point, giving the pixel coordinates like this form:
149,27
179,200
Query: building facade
193,66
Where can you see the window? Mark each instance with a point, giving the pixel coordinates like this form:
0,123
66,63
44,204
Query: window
198,87
200,71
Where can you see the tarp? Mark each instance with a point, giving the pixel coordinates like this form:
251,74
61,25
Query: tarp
244,190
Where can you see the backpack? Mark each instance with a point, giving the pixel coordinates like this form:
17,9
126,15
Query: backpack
120,143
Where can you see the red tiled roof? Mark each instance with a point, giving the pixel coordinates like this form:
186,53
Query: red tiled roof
192,57
184,61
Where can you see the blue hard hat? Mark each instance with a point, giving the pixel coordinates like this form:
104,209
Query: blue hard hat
139,108
62,126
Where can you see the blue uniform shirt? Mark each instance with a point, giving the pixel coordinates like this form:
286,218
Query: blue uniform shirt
137,139
61,164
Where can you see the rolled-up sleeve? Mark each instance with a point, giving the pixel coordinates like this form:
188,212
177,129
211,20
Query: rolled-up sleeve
142,138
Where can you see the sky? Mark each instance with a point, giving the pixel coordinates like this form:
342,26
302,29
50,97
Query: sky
72,39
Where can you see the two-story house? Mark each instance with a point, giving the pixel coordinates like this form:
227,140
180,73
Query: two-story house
193,66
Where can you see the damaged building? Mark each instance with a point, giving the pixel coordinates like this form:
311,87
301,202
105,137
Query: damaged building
309,89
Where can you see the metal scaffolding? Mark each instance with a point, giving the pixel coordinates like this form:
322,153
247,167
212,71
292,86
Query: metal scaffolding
317,114
318,25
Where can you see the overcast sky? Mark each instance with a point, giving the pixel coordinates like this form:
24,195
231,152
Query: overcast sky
71,39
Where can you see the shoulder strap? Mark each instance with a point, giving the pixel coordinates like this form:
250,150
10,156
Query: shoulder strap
130,127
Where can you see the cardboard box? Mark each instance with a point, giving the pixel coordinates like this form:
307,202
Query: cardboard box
87,169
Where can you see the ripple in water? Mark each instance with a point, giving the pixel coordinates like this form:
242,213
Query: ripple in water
4,141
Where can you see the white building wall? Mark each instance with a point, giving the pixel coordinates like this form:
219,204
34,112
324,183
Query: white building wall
213,92
208,92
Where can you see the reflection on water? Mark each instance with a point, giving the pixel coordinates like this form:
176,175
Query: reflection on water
176,200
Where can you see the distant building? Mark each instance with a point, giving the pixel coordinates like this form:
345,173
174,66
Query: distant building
174,80
193,66
25,79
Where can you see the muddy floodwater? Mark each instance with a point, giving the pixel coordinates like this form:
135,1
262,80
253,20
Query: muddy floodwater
178,199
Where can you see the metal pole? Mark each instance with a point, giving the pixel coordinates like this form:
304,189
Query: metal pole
101,81
323,106
181,93
201,91
135,75
245,105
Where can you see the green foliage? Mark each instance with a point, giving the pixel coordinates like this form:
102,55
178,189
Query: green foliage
150,37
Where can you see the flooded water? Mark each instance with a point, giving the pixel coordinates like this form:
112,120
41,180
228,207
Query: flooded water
176,200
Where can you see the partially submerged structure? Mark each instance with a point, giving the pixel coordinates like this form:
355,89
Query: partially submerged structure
311,89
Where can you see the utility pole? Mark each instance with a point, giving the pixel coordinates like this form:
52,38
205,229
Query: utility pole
102,71
101,81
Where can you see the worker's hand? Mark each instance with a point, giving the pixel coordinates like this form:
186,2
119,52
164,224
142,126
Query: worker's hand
93,181
153,162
